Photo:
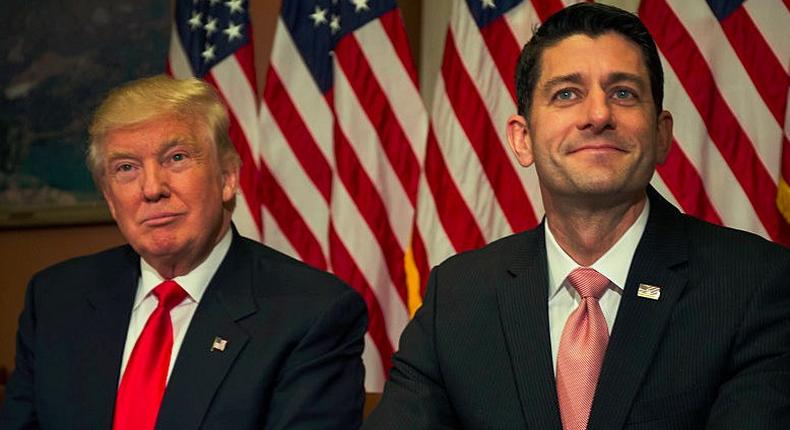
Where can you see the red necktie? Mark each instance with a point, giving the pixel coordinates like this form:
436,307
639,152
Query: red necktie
143,382
582,347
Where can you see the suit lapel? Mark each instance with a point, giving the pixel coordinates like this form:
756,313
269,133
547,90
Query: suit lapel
522,295
199,370
112,300
658,261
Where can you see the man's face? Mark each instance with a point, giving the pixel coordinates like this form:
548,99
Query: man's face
167,192
592,131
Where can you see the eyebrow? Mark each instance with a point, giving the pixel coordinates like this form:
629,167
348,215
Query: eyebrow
611,79
167,146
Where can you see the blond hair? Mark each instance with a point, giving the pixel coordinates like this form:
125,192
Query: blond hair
146,99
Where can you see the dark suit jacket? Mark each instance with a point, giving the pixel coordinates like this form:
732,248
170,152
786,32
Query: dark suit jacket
295,336
713,351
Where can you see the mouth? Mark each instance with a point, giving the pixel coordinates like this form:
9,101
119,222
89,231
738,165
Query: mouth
160,219
602,148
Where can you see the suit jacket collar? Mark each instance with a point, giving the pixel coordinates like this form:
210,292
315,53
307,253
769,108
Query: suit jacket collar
660,261
522,297
200,368
111,298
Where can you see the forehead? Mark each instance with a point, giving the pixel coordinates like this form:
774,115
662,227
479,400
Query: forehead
152,135
592,56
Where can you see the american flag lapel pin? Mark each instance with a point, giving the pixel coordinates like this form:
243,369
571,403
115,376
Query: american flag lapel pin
219,344
649,291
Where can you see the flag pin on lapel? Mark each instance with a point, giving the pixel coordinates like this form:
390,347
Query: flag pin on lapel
649,291
219,344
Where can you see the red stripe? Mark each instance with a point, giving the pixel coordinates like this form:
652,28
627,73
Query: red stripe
372,209
476,122
290,221
420,257
547,8
296,133
684,181
786,160
505,51
725,131
379,111
766,72
248,175
346,269
456,218
393,26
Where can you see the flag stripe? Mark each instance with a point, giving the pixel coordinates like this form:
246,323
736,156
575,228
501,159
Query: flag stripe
291,223
392,24
391,137
456,218
371,208
474,118
682,178
297,133
764,69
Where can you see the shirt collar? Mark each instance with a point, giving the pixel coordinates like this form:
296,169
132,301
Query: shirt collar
194,282
614,264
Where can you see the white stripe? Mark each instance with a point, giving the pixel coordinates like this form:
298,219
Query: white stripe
294,181
733,82
243,219
773,20
493,91
395,82
465,168
302,90
374,370
434,237
179,61
241,98
274,237
365,143
368,257
521,20
722,188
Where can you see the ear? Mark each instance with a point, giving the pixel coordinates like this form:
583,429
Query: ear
519,140
664,136
230,180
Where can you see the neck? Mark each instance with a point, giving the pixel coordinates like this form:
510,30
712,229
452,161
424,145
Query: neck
586,232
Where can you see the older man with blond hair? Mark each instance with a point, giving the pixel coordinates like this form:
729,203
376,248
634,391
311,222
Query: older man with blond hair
190,325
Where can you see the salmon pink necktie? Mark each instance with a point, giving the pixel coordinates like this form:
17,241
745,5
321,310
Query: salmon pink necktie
143,382
582,347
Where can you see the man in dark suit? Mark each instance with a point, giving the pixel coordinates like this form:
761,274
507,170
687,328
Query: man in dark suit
617,311
190,325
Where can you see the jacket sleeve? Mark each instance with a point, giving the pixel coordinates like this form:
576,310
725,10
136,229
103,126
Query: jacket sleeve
18,410
756,393
321,385
414,396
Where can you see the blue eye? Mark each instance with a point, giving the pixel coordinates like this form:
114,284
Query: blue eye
564,95
179,157
126,167
623,94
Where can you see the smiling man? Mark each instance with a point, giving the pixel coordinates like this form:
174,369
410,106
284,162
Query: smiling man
617,311
190,325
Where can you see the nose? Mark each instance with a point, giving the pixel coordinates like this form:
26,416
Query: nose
598,115
154,183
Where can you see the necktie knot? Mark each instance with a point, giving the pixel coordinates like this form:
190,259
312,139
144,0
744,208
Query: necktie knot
169,294
588,282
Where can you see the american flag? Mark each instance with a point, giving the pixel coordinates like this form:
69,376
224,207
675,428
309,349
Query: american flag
726,67
343,133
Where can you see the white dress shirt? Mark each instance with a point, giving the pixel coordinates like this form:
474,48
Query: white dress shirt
614,264
194,283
